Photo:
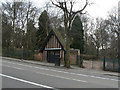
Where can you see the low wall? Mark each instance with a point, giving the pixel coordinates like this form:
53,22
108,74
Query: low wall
72,58
73,54
38,56
98,65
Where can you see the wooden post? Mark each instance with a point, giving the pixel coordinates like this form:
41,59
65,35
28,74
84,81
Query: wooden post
104,63
76,59
64,58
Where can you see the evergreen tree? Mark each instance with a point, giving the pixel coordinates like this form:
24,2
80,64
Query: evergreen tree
31,34
62,31
77,33
44,28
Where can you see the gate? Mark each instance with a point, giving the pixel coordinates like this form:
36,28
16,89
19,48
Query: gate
54,57
111,64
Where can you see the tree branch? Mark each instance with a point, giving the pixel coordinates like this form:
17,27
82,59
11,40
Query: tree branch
80,11
57,5
71,6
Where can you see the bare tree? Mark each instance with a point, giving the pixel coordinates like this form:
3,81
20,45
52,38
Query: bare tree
30,15
113,26
88,26
100,35
11,9
119,29
69,14
19,14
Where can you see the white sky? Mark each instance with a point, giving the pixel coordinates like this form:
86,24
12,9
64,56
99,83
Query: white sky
100,8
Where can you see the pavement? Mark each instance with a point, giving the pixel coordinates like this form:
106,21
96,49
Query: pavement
62,67
33,74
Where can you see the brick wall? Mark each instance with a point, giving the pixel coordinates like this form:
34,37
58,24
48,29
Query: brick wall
73,53
72,58
38,56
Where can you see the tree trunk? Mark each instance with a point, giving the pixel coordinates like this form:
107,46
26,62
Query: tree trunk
97,52
67,56
119,43
119,51
102,53
13,45
27,36
118,46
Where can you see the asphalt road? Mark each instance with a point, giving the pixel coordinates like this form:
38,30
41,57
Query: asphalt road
23,75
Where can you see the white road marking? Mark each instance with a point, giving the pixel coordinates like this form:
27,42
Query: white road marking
13,67
25,81
61,77
65,72
51,75
17,68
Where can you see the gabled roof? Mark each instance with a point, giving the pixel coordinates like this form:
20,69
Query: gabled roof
58,37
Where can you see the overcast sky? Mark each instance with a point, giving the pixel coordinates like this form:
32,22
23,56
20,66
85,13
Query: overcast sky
100,8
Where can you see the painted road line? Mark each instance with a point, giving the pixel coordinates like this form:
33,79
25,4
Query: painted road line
81,74
61,77
13,67
25,81
65,72
52,75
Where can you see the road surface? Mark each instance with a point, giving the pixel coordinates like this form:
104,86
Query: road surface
24,75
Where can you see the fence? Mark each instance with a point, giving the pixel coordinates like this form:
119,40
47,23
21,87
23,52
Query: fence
111,64
89,62
18,53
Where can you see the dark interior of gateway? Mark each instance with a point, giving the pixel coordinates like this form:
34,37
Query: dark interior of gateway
54,57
